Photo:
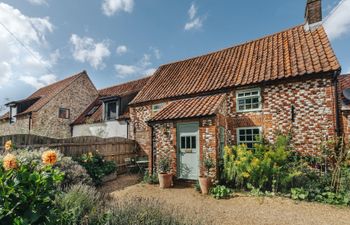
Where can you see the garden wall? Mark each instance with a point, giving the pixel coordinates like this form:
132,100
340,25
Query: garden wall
114,149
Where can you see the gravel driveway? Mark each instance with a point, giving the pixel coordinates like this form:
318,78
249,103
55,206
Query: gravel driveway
241,209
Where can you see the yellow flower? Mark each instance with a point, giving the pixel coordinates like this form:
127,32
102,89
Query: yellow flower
245,175
8,145
49,157
228,150
255,162
90,154
10,162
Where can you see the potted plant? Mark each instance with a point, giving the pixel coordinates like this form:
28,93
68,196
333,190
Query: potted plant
205,180
164,175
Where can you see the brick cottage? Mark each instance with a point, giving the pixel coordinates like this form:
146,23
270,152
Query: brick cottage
50,110
282,82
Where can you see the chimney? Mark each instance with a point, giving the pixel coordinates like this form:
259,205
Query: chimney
313,14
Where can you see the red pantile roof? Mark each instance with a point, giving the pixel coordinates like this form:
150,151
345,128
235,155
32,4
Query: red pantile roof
45,94
5,116
121,90
290,53
125,88
190,108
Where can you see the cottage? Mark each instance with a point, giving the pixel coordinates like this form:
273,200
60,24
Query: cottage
282,82
108,115
50,110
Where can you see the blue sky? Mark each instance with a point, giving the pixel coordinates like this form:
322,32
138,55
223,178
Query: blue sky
43,41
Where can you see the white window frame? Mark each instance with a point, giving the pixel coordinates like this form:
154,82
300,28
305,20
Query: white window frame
247,97
247,128
160,105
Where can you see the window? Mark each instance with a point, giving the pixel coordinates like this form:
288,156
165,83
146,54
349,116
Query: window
13,113
188,142
248,136
157,107
63,113
248,100
111,110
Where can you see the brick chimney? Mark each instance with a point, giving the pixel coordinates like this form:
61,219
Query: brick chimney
313,14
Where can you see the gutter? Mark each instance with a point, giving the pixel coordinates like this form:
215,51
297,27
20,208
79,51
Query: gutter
336,96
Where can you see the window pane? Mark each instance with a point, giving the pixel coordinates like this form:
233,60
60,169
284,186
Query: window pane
242,138
248,106
183,142
241,107
249,138
254,93
248,101
249,131
111,110
255,106
240,94
247,94
193,142
242,132
256,131
255,100
188,142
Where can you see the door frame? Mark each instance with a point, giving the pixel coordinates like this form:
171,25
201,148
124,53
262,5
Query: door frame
178,143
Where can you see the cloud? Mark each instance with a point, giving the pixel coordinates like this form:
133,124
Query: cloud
110,7
156,52
39,82
195,22
15,60
122,49
142,67
38,2
85,49
338,23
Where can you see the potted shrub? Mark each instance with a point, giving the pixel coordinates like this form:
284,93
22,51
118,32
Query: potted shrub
164,175
205,180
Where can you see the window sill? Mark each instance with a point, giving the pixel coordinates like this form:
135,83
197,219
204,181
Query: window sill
246,111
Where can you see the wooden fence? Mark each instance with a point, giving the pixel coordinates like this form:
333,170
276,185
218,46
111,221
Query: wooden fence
116,149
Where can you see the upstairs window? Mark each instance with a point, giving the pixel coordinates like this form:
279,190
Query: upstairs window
248,136
63,113
111,110
248,100
157,107
13,113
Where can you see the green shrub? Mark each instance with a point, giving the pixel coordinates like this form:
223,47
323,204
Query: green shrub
197,187
96,166
150,179
78,203
27,191
220,192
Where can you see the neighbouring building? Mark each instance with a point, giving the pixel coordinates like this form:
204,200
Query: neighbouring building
285,82
108,115
344,102
50,110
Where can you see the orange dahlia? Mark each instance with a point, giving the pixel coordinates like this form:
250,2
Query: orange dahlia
10,162
49,157
8,145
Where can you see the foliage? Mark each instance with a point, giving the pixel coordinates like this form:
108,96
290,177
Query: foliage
150,178
325,196
262,167
27,191
79,203
220,192
197,187
96,166
164,164
84,205
208,164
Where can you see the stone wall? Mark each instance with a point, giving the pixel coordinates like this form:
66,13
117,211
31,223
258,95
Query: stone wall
76,97
20,127
314,109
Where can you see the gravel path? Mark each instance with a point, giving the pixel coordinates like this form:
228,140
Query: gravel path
241,209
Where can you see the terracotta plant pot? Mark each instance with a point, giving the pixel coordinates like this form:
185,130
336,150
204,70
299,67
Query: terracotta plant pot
205,184
165,180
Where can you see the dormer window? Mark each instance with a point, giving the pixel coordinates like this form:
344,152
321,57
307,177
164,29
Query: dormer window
13,113
111,110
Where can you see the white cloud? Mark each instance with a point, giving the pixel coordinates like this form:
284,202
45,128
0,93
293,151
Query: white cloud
195,22
156,52
39,82
15,60
85,49
338,23
38,2
121,49
110,7
142,67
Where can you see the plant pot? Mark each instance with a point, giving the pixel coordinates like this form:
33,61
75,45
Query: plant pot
205,184
165,180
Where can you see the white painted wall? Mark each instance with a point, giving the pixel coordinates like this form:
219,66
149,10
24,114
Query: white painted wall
105,130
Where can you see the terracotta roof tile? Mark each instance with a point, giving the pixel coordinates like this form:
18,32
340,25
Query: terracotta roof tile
6,116
129,88
290,53
190,108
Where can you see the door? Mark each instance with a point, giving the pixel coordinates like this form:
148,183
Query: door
188,151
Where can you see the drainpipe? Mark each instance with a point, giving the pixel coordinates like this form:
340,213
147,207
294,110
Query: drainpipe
336,96
127,129
153,157
30,123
